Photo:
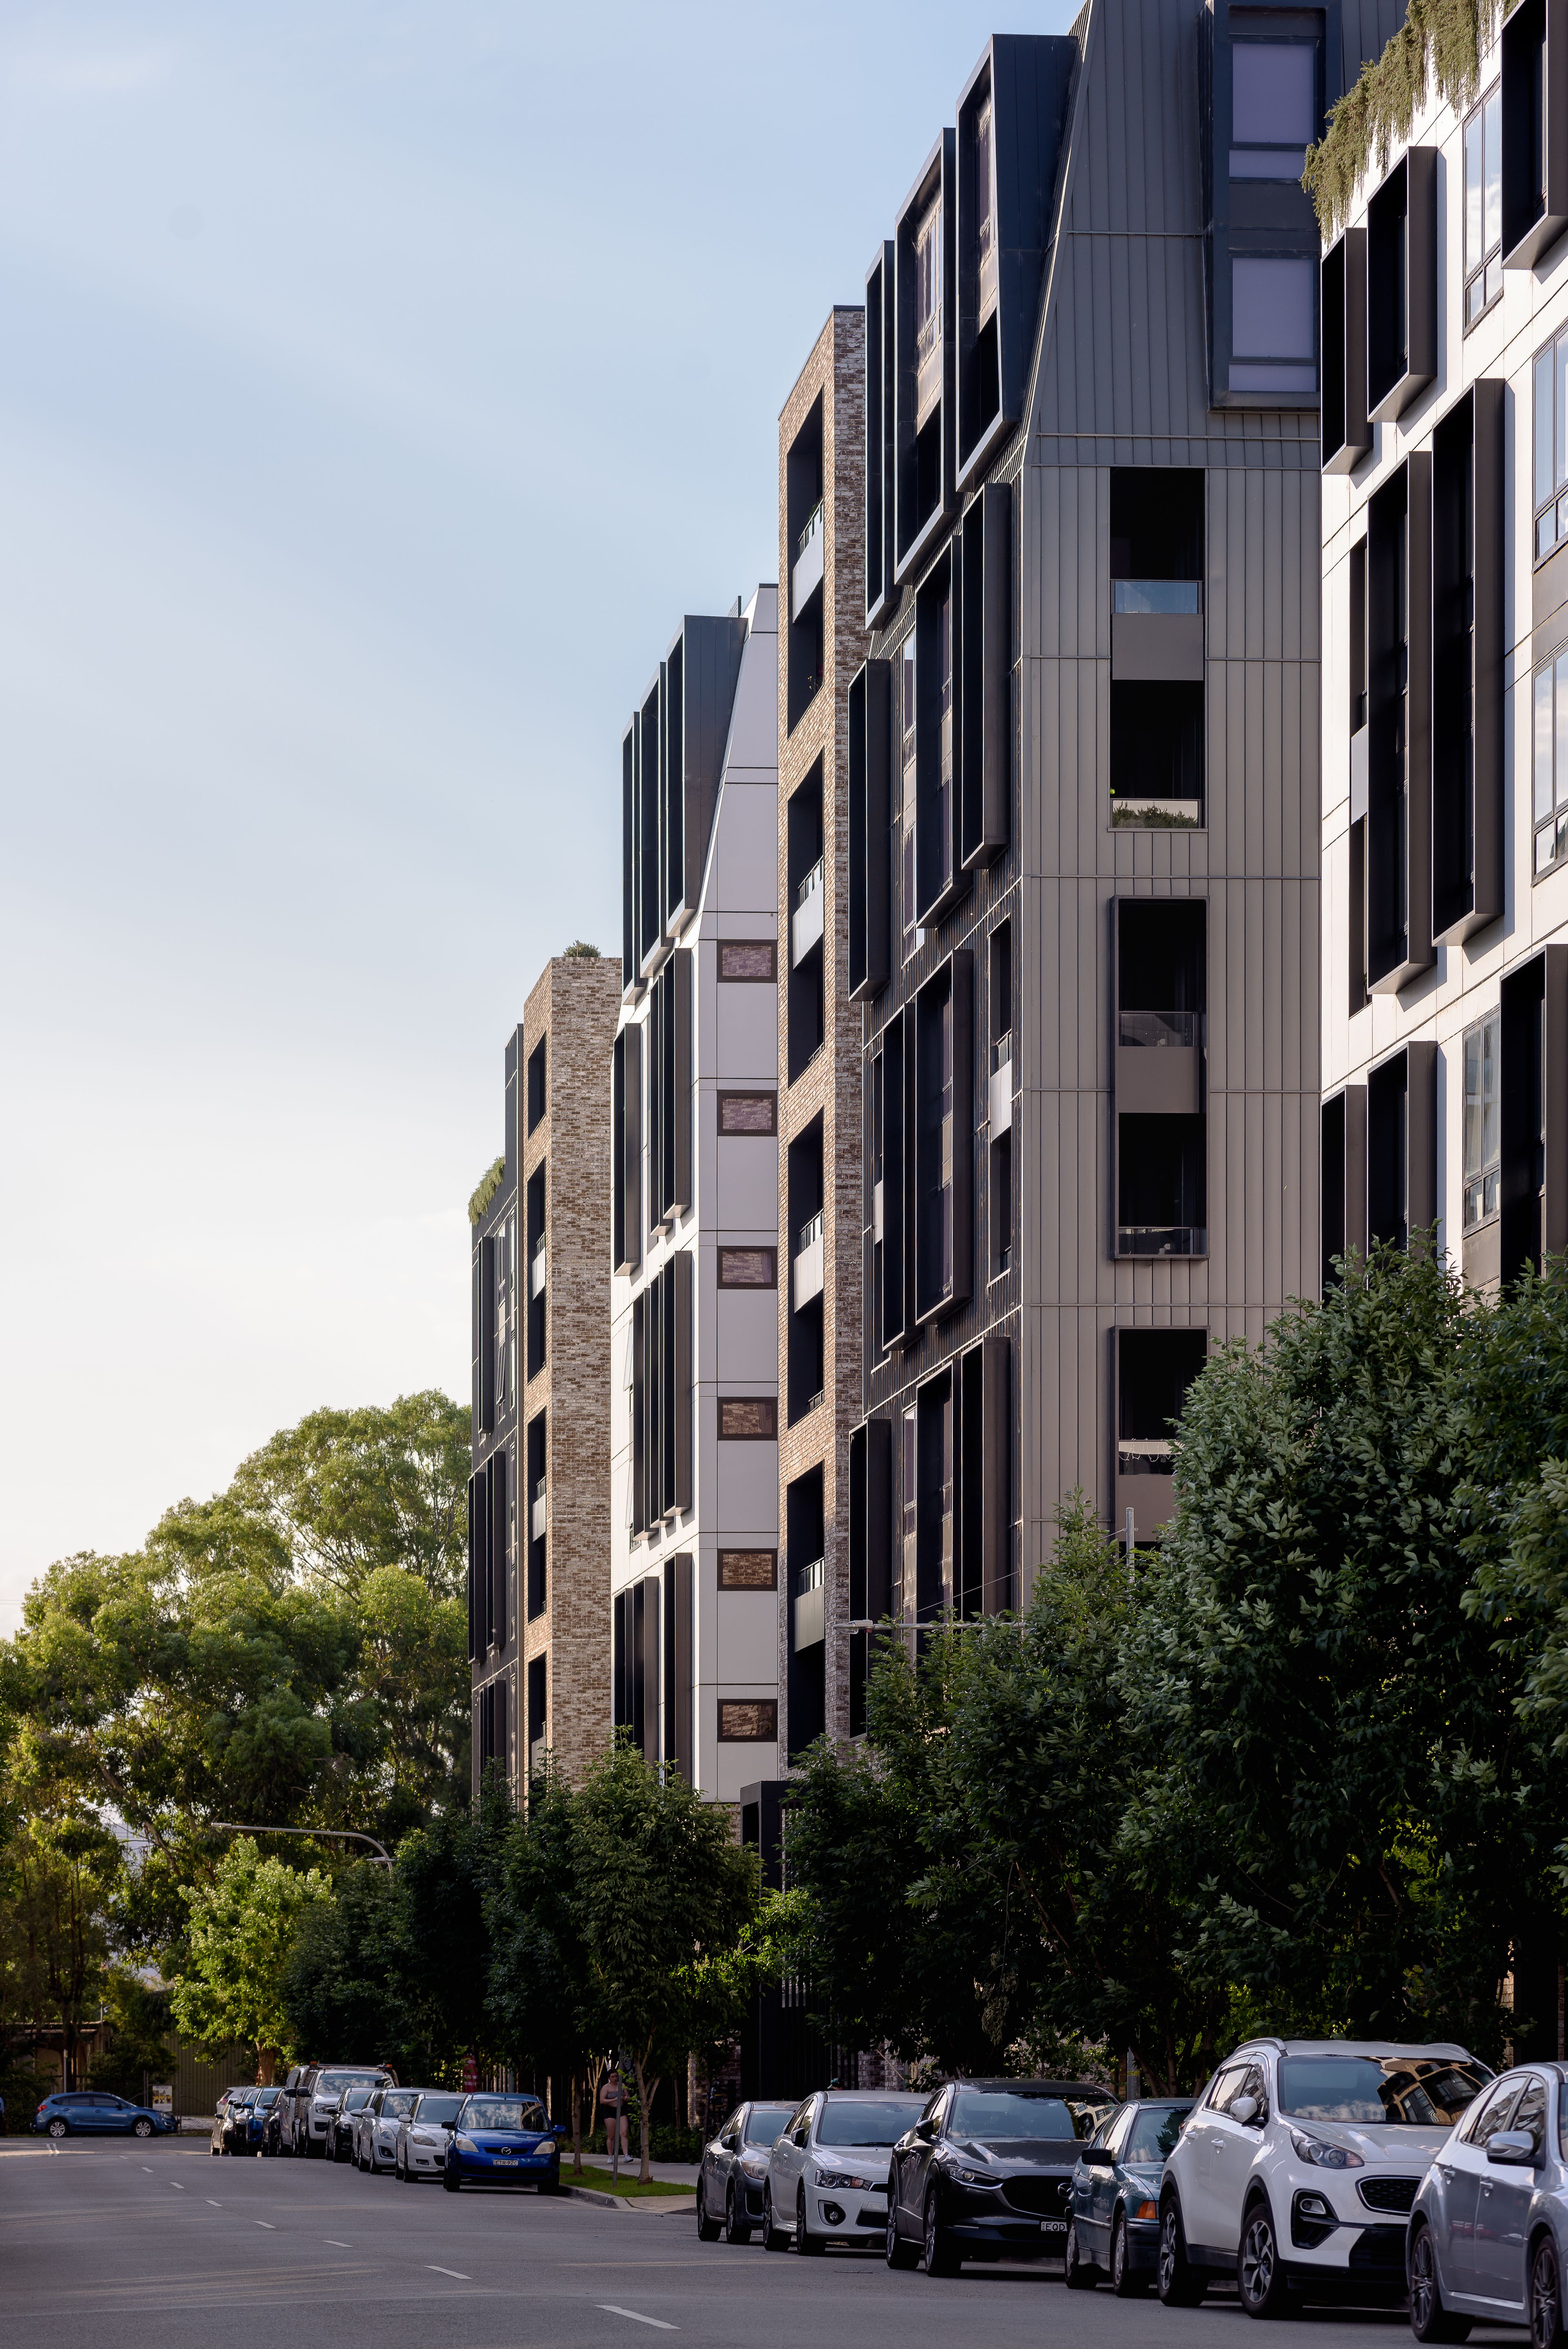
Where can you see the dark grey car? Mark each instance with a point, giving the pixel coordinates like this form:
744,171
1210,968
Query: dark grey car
734,2170
1489,2230
1113,2209
985,2172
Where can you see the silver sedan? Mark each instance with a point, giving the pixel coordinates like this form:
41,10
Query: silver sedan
424,2135
1489,2229
734,2170
376,2129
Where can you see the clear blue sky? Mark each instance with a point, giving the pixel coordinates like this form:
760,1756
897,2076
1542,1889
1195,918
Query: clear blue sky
378,385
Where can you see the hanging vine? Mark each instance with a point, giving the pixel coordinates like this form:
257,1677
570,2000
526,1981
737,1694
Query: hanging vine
1440,45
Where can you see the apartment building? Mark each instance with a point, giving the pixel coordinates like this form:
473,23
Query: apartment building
1084,855
1445,590
695,1214
820,477
539,1499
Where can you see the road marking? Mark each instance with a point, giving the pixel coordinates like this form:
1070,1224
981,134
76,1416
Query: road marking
610,2309
268,2225
456,2273
335,2243
174,2182
146,2168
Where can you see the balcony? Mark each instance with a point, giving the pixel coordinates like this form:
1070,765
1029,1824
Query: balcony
536,1271
1156,630
805,571
1161,1239
805,1273
537,1754
810,1606
805,922
999,1100
1145,1456
539,1513
1159,1030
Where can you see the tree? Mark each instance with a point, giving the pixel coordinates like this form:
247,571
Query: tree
59,1870
239,1940
349,1492
659,1886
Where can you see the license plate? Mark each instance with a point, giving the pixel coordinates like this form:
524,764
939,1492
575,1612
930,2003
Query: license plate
505,2161
1052,2226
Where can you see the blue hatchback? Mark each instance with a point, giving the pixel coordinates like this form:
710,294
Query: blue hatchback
82,2112
502,2141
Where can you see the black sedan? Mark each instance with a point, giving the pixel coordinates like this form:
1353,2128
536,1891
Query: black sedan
340,2120
984,2174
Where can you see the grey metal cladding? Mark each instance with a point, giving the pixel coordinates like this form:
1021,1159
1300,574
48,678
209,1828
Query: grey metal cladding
710,668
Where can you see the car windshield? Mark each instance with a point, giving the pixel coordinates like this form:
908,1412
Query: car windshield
241,2097
1409,2091
1154,2132
767,2123
357,2099
997,2113
332,2083
398,2104
437,2108
870,2123
266,2096
504,2112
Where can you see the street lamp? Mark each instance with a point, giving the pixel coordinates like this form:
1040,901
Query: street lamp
343,1835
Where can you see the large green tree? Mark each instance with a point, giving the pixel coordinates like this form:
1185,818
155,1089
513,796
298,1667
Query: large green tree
242,1932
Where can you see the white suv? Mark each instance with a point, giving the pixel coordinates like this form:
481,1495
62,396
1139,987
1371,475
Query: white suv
1295,2170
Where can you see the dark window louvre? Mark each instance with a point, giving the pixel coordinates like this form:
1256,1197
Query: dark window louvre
985,756
1344,1179
1469,511
1346,431
1402,1145
870,767
1534,45
1399,771
1402,285
677,1663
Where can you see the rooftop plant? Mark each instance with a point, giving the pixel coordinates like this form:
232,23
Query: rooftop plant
1442,43
487,1189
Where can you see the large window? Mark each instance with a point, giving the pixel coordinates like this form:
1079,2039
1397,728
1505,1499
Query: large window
1551,764
1274,108
1273,324
1550,428
929,280
1483,1134
1483,206
912,932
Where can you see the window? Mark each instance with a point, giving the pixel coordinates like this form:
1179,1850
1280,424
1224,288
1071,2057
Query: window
1273,324
985,227
998,1101
1483,1143
1483,206
536,1084
943,1189
751,1721
1551,758
913,934
1550,428
1274,108
744,1418
538,1518
929,282
748,1569
748,1267
1160,1184
537,1262
748,1112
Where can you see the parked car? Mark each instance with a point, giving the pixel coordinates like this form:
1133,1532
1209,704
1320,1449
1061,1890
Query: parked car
1113,2211
1489,2232
504,2140
290,2090
247,2117
984,2172
316,2100
83,2112
376,2126
733,2168
1298,2166
423,2136
230,2119
827,2170
340,2121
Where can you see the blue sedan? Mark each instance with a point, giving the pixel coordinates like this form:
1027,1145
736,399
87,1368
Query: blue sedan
82,2112
502,2141
1489,2232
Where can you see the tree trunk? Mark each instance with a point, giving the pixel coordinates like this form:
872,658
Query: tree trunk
647,2090
266,2066
576,2124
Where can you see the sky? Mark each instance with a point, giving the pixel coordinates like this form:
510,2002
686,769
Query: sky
379,386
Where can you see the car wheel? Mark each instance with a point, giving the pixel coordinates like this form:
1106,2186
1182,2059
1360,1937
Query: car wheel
708,2229
58,2129
735,2229
451,2180
1545,2297
1179,2283
1259,2270
938,2256
142,2128
1430,2320
1077,2272
1126,2281
900,2254
804,2240
771,2239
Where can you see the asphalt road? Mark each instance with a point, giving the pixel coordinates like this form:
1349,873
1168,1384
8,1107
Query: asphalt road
161,2247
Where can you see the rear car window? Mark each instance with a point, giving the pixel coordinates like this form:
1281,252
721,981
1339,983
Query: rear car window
1410,2092
875,2122
1002,2112
767,2123
1155,2132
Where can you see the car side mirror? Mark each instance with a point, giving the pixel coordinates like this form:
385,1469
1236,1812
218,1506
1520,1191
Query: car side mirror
1513,2148
559,2129
925,2131
1097,2156
1244,2110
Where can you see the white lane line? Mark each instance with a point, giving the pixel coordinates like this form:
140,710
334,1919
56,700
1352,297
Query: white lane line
211,2205
456,2273
610,2308
335,2243
145,2167
174,2182
268,2225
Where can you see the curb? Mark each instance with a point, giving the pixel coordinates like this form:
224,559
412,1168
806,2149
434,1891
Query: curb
682,2202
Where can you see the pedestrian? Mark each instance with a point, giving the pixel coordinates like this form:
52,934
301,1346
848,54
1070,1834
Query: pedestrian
613,2099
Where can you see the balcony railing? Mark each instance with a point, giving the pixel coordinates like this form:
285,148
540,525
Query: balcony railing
536,1271
1145,1456
805,571
539,1513
1157,1028
1161,1239
1169,596
806,1270
806,921
999,1100
810,1605
811,529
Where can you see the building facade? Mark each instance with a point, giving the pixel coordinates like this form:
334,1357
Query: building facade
1084,776
695,1214
821,646
539,1500
1445,590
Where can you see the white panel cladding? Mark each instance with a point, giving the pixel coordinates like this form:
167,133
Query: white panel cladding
742,864
747,1641
745,1033
745,1484
746,1346
754,717
736,1766
745,1186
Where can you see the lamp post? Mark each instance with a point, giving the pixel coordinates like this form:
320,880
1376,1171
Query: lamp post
342,1835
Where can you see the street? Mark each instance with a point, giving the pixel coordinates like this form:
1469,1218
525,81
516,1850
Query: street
159,2246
